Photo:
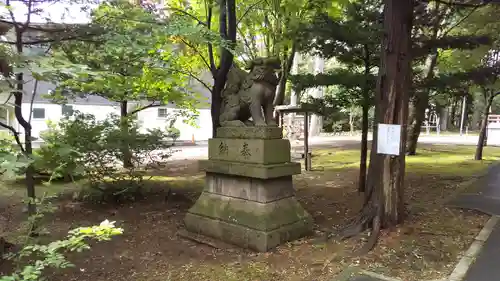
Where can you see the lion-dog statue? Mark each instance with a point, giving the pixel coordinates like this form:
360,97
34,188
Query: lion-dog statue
250,94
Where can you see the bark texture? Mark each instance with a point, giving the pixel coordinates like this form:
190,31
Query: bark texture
384,206
127,155
227,30
364,124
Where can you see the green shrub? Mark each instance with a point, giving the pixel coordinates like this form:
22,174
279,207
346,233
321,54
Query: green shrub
52,255
12,160
95,149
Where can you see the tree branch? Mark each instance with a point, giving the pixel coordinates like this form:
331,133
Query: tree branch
45,41
247,44
16,135
247,11
211,58
460,21
471,3
28,16
32,100
197,52
188,14
195,78
153,104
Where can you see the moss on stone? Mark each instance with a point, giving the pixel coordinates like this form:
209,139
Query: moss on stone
259,216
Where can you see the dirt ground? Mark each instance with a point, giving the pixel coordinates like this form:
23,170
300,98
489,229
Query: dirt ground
426,246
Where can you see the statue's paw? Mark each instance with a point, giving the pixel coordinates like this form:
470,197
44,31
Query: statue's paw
234,123
260,124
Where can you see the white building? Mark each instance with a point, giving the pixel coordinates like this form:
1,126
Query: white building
43,110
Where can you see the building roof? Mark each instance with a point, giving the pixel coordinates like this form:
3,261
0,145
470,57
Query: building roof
87,100
44,88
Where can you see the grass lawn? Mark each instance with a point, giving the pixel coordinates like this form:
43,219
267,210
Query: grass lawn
426,247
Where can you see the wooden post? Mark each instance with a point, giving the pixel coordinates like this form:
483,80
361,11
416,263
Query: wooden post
306,141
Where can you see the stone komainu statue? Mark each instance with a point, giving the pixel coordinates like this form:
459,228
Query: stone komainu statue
249,94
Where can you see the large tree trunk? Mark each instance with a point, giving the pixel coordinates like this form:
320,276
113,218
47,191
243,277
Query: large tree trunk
421,102
482,132
385,207
126,154
392,108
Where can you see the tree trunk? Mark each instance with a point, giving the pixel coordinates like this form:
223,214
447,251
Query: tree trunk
126,154
227,30
482,132
28,147
364,148
364,124
351,122
453,117
385,207
443,118
421,102
317,93
279,99
293,93
468,105
421,98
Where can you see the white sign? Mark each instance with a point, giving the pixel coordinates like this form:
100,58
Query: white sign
388,139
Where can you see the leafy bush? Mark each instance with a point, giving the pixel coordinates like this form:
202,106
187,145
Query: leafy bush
12,160
52,255
83,146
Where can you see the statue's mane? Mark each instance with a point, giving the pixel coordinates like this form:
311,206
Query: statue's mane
239,80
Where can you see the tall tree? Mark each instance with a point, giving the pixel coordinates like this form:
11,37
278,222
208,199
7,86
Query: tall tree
435,26
282,20
21,34
202,13
487,79
354,43
384,206
135,60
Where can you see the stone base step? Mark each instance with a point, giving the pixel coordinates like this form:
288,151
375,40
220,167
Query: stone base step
245,237
205,240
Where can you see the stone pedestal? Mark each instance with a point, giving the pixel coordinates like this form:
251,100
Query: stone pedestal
248,198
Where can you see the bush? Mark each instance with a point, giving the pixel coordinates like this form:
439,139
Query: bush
42,257
83,146
12,160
